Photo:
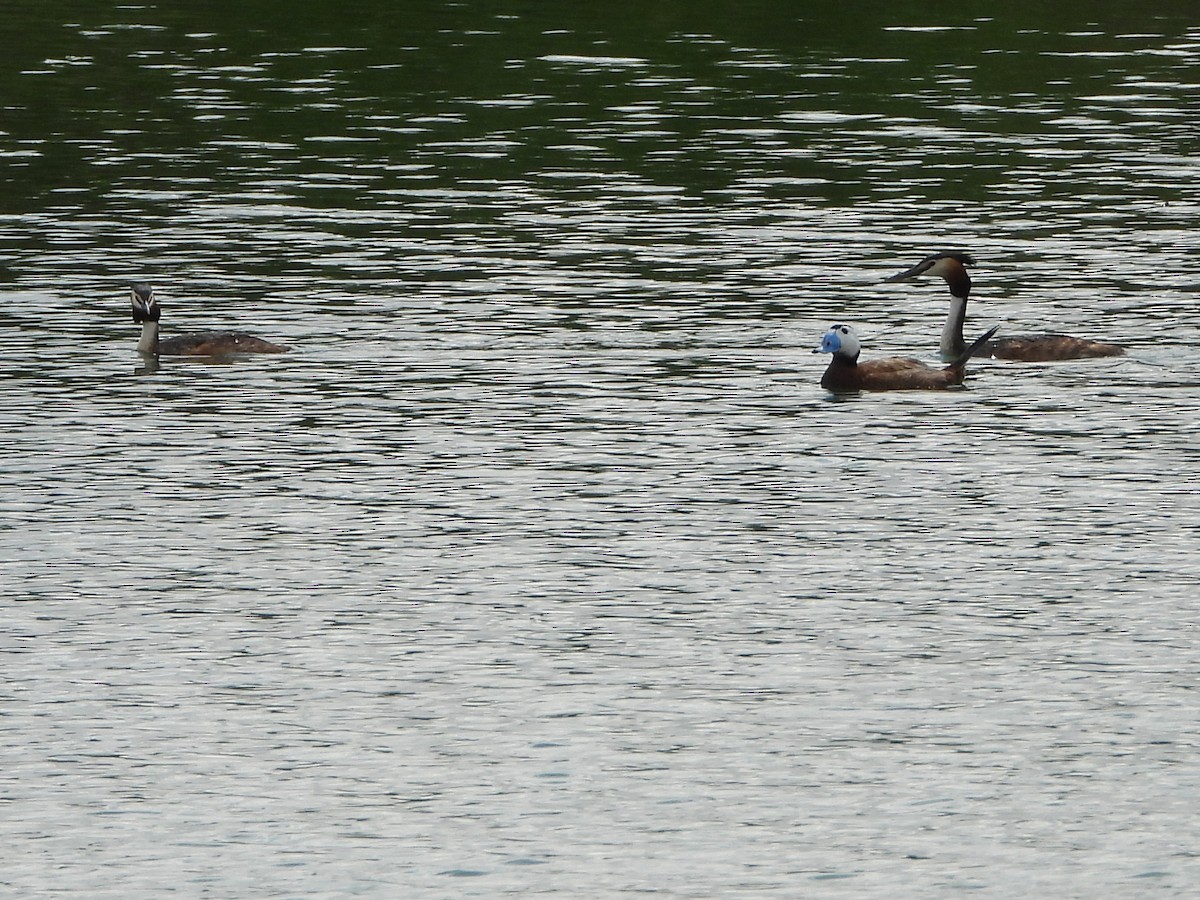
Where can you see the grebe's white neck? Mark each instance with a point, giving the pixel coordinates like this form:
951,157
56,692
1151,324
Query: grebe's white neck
952,343
149,342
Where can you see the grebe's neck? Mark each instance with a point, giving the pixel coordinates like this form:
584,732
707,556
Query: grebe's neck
149,342
952,344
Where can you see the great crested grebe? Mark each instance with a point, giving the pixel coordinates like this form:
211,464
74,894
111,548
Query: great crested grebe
952,267
846,373
203,343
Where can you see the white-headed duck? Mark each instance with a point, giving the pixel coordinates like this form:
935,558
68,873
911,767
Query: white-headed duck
146,311
952,267
846,373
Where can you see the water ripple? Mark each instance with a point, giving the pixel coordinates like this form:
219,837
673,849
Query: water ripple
543,557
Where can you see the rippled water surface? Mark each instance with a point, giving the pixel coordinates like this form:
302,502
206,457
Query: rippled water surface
542,565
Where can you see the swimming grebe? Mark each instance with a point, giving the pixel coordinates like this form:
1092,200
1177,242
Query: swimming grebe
1028,348
205,343
846,373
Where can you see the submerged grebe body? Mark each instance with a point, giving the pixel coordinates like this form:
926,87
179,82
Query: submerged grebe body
952,268
147,312
846,373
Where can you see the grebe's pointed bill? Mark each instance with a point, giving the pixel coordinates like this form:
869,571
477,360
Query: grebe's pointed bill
840,339
938,264
919,269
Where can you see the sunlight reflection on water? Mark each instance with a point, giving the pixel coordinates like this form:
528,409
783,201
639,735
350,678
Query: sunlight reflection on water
543,557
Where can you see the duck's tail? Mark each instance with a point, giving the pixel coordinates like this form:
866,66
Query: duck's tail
962,358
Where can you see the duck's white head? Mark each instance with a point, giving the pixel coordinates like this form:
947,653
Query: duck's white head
842,340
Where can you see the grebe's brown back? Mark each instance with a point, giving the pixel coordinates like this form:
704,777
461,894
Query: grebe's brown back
952,267
147,312
846,373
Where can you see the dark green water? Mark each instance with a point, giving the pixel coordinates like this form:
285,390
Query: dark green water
542,564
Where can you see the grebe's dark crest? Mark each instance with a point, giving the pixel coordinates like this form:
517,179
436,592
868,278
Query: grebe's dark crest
846,373
952,267
147,312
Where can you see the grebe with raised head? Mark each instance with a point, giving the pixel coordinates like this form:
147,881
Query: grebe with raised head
846,373
146,312
952,267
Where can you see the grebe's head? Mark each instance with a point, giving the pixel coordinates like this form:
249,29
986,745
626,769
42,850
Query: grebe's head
145,306
842,340
950,266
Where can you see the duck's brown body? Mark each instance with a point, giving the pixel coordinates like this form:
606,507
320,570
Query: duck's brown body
896,374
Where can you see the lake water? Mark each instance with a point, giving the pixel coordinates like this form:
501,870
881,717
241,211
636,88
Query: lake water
542,564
